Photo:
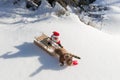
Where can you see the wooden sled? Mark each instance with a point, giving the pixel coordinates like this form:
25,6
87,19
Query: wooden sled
42,42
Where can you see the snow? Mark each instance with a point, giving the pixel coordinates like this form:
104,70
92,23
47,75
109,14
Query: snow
112,15
20,59
111,23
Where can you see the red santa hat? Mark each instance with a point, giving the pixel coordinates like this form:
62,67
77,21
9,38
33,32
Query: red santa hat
55,33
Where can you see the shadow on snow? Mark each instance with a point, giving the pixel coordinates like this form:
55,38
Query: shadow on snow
31,50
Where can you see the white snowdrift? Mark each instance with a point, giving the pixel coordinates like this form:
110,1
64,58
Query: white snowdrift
20,59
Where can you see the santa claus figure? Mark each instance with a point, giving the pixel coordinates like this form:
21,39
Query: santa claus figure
55,39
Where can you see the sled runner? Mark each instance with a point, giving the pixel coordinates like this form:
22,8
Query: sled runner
42,42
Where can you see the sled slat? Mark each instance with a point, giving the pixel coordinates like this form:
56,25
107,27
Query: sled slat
41,37
43,47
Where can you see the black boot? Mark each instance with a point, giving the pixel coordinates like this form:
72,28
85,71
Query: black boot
49,44
60,45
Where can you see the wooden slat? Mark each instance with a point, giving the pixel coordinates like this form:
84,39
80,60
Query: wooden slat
39,38
43,47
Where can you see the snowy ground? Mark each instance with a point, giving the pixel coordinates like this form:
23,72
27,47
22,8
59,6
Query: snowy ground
108,20
20,59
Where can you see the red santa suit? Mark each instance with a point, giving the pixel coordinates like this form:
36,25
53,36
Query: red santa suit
55,37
